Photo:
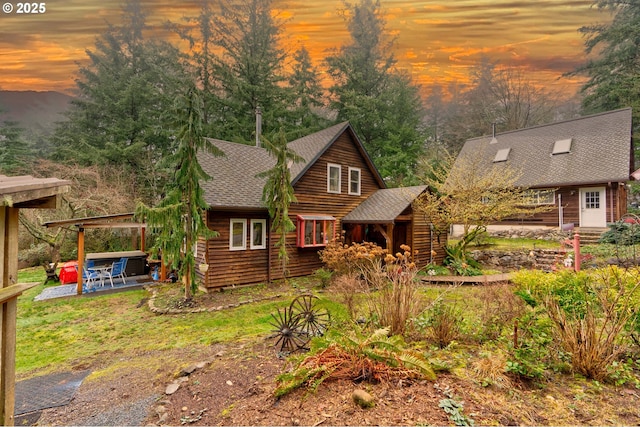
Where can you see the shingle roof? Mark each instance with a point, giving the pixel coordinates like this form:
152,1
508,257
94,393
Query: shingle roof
234,183
312,146
600,150
384,205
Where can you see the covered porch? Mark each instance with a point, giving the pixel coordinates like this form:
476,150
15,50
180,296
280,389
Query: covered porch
388,219
99,267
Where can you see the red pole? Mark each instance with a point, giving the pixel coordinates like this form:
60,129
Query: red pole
576,251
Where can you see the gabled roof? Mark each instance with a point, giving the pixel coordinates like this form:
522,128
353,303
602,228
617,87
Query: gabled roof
384,205
234,183
600,151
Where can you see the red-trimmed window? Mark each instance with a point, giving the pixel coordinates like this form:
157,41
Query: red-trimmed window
315,230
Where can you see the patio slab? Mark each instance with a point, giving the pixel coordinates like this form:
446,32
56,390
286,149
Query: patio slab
70,290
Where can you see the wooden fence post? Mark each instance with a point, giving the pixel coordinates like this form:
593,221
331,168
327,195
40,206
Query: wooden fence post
576,251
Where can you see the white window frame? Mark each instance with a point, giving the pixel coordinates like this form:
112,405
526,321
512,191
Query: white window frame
538,197
355,193
329,167
242,221
264,234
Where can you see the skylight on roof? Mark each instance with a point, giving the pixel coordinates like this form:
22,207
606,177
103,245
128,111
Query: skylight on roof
562,146
502,155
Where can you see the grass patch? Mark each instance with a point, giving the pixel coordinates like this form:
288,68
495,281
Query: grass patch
59,334
504,244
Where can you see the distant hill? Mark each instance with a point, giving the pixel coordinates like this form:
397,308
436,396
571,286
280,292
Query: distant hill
36,112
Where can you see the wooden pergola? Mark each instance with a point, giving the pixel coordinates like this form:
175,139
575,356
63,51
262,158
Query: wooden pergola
16,192
122,220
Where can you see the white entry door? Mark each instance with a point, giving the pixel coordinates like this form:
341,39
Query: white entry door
593,210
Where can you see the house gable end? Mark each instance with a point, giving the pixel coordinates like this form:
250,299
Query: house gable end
343,153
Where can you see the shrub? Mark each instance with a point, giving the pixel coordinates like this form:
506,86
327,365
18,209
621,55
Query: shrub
530,350
35,255
365,259
348,286
397,300
442,323
500,307
621,233
324,276
589,313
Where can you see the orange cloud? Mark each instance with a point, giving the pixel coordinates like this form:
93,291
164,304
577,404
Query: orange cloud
436,41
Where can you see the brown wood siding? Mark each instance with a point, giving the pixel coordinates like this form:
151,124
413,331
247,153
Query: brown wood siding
227,267
313,198
425,241
570,196
251,266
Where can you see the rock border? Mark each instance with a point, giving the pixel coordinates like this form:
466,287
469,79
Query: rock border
156,310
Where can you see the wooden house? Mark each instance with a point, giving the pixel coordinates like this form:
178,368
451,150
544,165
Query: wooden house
580,167
337,188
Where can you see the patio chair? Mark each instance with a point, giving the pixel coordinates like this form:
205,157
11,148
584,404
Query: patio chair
88,277
117,270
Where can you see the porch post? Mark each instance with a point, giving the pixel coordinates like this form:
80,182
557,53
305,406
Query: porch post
390,237
576,251
142,238
80,259
8,313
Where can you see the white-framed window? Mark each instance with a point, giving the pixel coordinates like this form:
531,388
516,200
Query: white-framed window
354,181
315,230
237,234
540,197
334,173
258,234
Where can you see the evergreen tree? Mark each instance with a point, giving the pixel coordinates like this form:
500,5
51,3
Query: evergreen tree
249,70
278,193
180,218
200,33
124,95
614,79
382,105
308,102
14,151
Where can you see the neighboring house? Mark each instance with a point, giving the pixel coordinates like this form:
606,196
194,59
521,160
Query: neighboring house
337,188
579,166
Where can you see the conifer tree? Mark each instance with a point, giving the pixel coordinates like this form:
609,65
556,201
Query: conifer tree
614,79
278,193
179,219
382,104
124,96
249,70
14,151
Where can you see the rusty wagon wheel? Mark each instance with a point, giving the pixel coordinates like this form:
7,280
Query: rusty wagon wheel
287,331
313,321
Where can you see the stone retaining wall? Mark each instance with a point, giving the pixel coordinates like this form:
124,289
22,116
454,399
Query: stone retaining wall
543,259
527,233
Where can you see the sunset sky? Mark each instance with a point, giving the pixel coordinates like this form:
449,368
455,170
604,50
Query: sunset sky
437,41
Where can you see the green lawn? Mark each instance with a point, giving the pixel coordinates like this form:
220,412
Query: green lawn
59,334
504,244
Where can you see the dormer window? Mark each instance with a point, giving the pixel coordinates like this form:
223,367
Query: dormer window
334,173
502,155
562,146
